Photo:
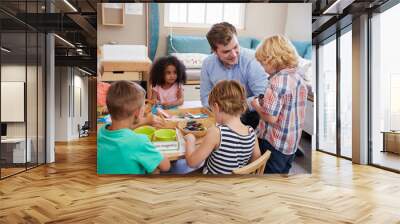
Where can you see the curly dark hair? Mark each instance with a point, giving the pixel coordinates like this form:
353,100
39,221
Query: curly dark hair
157,72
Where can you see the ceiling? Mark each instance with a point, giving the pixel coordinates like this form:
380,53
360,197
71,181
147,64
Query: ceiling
72,20
331,15
75,21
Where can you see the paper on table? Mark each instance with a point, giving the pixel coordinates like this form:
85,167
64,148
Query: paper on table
172,146
181,140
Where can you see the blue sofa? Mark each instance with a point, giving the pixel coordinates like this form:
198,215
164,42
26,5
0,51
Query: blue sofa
199,44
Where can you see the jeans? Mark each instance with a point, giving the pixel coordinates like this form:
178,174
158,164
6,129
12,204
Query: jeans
277,162
250,118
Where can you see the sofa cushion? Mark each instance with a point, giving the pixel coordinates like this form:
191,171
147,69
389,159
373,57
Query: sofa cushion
191,60
245,42
197,44
308,53
188,44
254,43
193,74
301,47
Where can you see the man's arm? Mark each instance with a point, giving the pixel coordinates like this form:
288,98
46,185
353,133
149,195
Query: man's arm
205,85
258,80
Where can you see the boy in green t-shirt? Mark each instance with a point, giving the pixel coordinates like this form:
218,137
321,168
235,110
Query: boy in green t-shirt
120,150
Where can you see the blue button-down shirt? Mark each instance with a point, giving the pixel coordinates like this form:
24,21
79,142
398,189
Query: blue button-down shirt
248,71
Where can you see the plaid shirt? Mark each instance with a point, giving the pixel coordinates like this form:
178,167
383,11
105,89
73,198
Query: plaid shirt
284,97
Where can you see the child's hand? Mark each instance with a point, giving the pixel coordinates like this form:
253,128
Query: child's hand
190,138
156,121
104,110
255,104
165,104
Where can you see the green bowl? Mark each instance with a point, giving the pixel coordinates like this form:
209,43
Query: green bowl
146,130
164,135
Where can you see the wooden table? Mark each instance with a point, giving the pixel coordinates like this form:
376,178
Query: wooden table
191,106
173,156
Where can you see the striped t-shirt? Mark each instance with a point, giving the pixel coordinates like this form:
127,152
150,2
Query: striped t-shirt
234,151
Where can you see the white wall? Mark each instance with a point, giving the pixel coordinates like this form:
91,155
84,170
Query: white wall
133,32
79,117
33,127
261,20
16,73
11,73
68,81
61,103
298,22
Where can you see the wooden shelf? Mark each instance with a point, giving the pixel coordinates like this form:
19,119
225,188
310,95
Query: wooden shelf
113,16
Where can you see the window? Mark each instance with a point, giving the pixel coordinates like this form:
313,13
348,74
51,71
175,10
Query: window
335,94
203,15
385,89
327,97
22,67
346,75
394,101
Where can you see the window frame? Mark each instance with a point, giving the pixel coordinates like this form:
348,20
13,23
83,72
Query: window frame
334,37
167,23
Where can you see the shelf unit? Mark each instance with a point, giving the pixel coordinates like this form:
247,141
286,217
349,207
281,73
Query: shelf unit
111,15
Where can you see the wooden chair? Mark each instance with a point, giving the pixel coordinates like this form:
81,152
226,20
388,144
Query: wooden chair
257,167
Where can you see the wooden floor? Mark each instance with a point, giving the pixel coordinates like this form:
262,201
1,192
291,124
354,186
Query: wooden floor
69,191
386,159
10,171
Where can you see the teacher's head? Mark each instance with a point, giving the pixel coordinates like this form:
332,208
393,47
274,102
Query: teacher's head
224,43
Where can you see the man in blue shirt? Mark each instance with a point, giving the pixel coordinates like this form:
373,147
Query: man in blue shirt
229,62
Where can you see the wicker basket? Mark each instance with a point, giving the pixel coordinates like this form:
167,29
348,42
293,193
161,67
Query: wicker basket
198,134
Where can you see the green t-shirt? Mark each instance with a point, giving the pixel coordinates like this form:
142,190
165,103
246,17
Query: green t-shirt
125,152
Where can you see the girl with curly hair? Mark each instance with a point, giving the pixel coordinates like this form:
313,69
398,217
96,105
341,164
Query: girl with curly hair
167,77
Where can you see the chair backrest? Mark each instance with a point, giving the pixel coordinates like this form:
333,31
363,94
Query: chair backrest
86,125
256,167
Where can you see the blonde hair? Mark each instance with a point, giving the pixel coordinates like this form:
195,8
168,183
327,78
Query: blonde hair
230,96
277,52
123,98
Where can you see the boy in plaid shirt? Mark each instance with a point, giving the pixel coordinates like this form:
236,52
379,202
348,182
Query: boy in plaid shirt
282,108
